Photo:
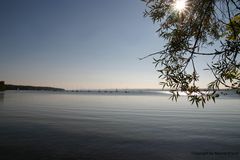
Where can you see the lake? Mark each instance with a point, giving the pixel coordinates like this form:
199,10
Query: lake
59,125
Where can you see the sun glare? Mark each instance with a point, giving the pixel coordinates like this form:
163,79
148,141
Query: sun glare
180,5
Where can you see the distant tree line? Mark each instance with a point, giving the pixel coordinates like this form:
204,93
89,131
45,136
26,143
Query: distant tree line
4,86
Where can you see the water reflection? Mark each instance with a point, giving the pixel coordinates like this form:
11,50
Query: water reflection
1,97
55,126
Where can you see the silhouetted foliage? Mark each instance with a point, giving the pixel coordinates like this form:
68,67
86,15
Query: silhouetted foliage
200,24
2,86
37,88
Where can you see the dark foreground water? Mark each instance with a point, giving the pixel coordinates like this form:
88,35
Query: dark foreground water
56,126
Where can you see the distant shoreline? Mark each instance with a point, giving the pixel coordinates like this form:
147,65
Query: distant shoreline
5,87
37,88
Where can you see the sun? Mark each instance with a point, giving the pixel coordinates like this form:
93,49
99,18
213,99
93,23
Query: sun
180,5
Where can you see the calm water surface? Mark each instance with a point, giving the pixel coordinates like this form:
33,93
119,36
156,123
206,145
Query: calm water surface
49,126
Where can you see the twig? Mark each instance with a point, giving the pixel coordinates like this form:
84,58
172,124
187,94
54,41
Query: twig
152,54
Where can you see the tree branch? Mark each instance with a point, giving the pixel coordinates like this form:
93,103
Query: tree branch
152,54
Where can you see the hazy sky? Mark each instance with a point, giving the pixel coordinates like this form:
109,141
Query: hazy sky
77,44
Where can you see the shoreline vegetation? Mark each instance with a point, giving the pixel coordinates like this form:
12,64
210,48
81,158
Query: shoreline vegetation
4,87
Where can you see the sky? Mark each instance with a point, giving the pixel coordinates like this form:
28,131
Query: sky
77,44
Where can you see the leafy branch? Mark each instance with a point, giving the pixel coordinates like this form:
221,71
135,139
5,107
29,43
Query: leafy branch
202,24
